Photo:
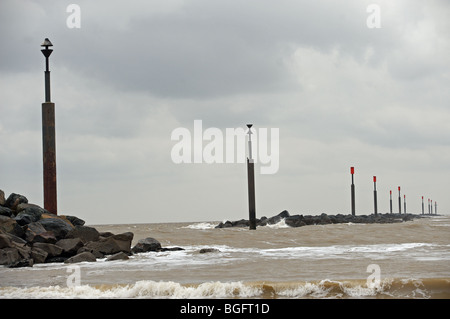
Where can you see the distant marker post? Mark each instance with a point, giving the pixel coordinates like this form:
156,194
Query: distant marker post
404,203
399,201
352,172
390,201
423,207
375,195
251,181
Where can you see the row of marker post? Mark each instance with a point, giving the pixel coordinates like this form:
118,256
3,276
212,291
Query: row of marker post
352,190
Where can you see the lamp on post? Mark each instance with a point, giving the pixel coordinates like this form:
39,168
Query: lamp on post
48,137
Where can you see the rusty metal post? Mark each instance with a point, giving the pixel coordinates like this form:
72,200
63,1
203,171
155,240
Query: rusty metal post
399,201
48,138
251,182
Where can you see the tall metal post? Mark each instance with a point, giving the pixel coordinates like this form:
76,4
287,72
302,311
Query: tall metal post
423,207
352,172
390,201
399,201
431,201
429,211
48,138
251,181
435,207
375,195
404,203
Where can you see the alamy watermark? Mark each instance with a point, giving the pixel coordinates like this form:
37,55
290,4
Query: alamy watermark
374,19
73,21
374,279
74,279
213,145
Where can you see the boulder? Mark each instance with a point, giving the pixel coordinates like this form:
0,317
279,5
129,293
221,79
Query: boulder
69,246
51,249
39,255
2,198
84,256
36,233
5,211
14,200
21,263
208,250
85,233
58,226
9,255
119,256
5,241
110,245
75,220
29,215
9,225
146,244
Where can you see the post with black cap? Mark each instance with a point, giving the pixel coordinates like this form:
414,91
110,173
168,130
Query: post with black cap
423,207
48,138
251,181
390,201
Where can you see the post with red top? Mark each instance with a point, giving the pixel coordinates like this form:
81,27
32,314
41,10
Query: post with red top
375,195
423,207
390,200
431,201
352,172
399,201
251,181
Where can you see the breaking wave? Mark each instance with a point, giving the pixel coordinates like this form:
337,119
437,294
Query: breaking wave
388,288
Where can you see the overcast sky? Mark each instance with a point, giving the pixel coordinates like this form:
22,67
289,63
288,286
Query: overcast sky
341,94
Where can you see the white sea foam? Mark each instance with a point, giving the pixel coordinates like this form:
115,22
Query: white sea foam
201,226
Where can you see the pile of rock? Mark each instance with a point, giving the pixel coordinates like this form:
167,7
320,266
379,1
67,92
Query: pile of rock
323,219
30,234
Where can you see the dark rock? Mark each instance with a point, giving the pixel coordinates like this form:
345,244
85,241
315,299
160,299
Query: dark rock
58,226
110,245
9,255
21,263
39,255
70,246
171,249
123,241
208,250
9,225
146,244
5,211
85,233
58,259
92,249
51,249
84,256
75,220
29,215
119,256
36,233
14,200
106,234
2,198
5,241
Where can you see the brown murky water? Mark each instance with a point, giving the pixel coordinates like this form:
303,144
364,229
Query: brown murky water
404,260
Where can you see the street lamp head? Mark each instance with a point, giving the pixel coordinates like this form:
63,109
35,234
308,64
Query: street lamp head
46,44
249,125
